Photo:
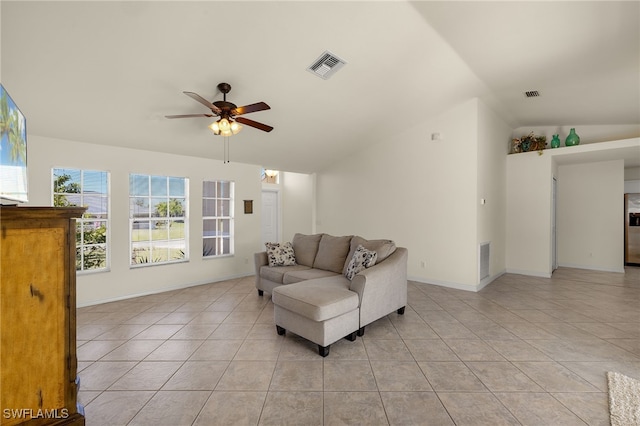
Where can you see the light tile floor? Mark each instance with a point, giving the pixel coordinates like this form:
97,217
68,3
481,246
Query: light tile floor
521,351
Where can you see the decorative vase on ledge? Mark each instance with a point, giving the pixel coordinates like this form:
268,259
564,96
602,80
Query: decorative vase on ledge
555,141
572,138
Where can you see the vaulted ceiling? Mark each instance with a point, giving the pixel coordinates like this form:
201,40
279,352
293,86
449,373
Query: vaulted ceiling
108,72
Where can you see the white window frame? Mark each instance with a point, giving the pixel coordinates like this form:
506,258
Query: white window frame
218,236
85,220
150,258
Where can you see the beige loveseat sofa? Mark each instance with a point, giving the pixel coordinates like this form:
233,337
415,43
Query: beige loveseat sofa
314,298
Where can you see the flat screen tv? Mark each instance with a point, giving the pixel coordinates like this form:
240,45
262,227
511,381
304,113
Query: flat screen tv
13,152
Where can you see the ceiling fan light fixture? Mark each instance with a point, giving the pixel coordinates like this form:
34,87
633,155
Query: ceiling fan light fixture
215,128
224,124
225,127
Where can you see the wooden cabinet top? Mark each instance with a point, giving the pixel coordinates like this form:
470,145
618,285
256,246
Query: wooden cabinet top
29,212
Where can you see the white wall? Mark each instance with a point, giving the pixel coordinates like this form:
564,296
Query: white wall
529,183
632,186
632,173
529,194
298,201
122,281
492,187
590,215
421,193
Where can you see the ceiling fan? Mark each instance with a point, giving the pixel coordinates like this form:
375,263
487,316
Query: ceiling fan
228,112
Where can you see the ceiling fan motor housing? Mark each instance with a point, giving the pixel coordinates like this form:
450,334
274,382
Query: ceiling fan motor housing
224,88
225,107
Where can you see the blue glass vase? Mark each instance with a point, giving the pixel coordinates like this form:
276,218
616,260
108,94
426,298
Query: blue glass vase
572,138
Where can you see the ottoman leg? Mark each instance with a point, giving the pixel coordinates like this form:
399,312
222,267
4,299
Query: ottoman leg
401,311
260,292
361,332
281,331
351,337
323,350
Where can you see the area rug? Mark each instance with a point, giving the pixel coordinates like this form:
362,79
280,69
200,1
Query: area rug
624,399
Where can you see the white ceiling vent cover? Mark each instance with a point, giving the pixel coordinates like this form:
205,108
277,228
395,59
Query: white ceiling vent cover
326,65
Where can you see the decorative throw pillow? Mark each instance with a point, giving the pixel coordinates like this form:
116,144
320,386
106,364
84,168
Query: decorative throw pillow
362,259
280,254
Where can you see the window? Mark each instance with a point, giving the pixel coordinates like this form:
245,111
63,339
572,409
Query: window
217,217
157,219
87,188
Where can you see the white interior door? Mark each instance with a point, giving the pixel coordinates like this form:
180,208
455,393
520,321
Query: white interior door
270,217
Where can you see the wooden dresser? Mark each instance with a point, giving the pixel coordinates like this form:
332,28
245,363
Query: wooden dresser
38,361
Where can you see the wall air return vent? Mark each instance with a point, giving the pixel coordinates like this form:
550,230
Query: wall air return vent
326,65
532,94
483,260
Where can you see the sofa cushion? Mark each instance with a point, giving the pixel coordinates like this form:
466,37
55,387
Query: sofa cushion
319,300
383,248
361,260
305,275
305,248
280,254
332,253
277,273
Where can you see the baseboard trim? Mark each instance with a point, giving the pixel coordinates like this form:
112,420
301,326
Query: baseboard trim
485,282
459,286
160,290
591,268
529,273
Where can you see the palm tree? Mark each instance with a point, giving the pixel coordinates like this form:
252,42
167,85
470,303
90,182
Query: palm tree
12,127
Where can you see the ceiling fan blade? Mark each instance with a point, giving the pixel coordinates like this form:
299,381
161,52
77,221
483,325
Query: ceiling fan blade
189,115
203,101
255,124
260,106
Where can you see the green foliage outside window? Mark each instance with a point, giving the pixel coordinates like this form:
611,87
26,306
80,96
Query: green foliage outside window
157,213
91,229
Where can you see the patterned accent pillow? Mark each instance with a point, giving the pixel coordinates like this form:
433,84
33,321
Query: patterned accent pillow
280,254
361,260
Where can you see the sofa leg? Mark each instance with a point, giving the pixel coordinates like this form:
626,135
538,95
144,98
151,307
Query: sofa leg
401,311
281,331
260,292
360,332
351,337
323,350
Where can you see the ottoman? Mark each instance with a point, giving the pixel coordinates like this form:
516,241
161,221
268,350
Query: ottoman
321,310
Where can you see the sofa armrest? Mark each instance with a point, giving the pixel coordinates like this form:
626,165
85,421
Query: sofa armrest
259,259
383,287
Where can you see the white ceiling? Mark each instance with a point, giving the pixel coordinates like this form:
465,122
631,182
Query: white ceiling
108,72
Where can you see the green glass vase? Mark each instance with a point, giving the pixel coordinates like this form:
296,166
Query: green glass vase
555,141
572,138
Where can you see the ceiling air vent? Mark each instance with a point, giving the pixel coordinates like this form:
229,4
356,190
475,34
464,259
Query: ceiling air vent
326,65
531,93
